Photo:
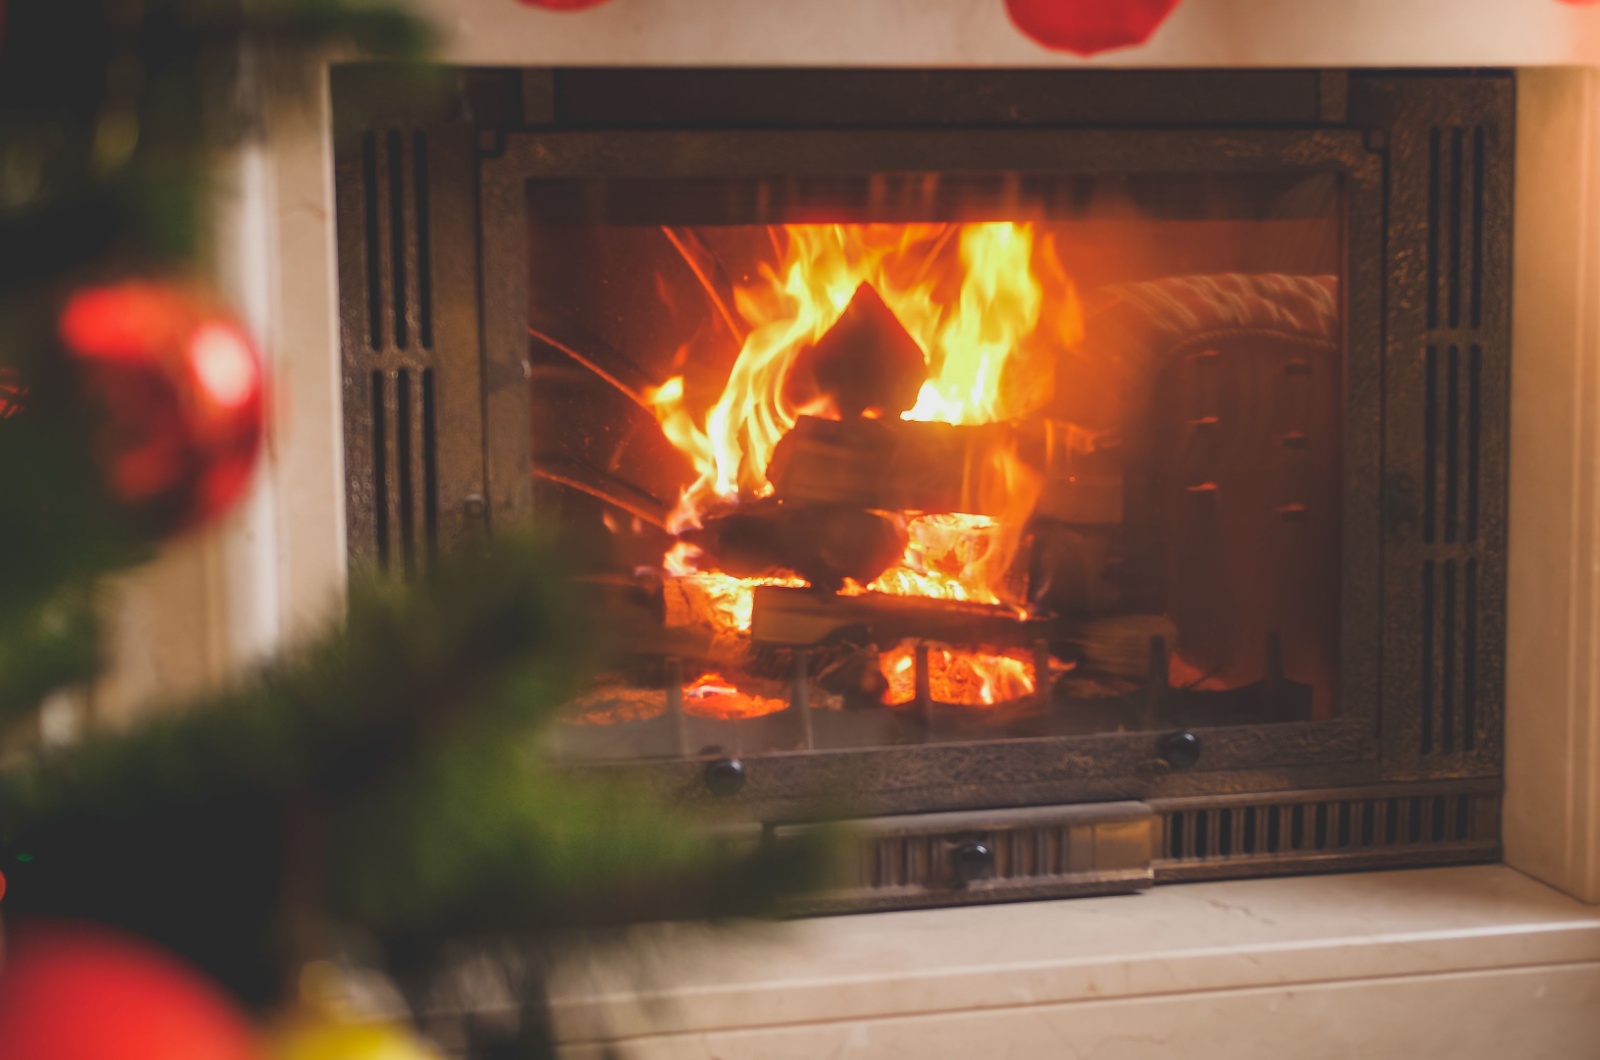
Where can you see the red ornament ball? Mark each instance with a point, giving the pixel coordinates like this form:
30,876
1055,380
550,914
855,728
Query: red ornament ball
1086,27
80,992
178,387
561,5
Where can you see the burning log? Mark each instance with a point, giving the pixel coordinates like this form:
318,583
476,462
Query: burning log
825,544
801,617
867,360
911,465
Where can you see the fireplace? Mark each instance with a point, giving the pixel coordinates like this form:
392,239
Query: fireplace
1085,479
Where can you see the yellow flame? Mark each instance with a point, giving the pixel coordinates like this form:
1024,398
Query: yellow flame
967,339
958,676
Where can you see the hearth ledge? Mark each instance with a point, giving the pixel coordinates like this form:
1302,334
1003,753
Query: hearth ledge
1410,957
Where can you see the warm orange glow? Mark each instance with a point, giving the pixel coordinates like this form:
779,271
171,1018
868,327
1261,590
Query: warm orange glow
732,600
714,696
970,311
972,296
957,676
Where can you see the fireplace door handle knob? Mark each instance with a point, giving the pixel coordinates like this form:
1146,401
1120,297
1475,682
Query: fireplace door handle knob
972,862
725,777
1181,750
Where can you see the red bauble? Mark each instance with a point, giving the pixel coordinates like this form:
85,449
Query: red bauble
1085,27
178,385
561,5
78,992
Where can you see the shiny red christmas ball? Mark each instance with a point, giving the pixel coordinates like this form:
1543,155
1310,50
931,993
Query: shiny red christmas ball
561,5
177,387
1086,27
81,992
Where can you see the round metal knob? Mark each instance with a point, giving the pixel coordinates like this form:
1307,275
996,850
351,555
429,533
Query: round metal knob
972,861
725,777
1180,749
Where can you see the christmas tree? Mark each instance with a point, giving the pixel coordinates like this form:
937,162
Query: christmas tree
376,797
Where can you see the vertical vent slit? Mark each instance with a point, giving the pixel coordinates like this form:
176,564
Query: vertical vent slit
1274,841
374,263
1201,833
1447,684
419,192
1248,841
1391,820
1427,657
1464,829
1457,142
1297,826
1369,823
380,468
397,236
1430,441
1175,837
1469,657
430,464
1474,431
1435,174
406,467
1321,826
1452,440
1436,820
1479,200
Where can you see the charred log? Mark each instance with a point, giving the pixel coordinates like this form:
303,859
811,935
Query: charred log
911,465
825,544
804,616
867,360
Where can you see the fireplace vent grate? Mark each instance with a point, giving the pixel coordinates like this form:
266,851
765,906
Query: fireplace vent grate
1243,835
404,468
989,855
1456,208
393,466
397,242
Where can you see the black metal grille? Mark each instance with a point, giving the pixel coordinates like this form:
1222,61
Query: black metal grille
1221,834
394,475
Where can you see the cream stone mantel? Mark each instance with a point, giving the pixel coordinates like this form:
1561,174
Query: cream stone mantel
1461,962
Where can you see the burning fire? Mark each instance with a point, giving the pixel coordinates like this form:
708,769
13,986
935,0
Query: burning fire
972,297
967,341
965,678
714,696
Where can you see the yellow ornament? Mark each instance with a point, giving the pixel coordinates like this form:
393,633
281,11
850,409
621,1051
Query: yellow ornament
320,1038
327,1025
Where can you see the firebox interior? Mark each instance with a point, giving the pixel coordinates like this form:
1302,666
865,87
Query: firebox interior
948,455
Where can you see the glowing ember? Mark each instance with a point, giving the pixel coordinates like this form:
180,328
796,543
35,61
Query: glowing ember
957,676
950,557
714,696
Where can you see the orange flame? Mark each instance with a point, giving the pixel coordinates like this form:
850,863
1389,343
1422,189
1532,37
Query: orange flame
957,676
967,339
971,313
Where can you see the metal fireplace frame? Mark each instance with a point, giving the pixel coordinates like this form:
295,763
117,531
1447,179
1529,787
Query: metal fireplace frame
434,260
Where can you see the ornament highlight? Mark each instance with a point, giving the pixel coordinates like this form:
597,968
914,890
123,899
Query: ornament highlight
179,390
83,992
1087,27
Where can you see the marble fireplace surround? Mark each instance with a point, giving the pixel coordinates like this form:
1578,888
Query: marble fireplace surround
1481,961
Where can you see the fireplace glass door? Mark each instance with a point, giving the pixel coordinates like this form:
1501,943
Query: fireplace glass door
913,456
